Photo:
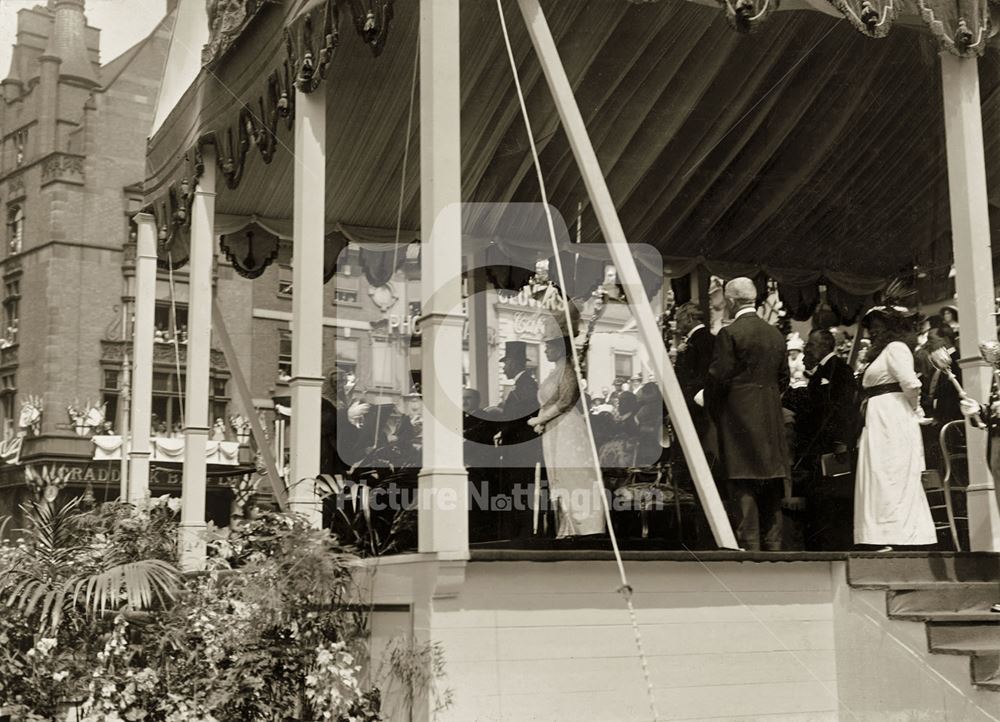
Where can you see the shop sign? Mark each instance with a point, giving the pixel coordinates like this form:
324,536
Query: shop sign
552,301
528,324
96,473
403,325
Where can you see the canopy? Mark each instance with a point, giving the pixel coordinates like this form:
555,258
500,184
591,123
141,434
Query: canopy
804,149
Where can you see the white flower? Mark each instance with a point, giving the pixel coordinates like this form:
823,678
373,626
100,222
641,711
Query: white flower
59,676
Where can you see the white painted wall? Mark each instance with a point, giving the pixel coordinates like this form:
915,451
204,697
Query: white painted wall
552,642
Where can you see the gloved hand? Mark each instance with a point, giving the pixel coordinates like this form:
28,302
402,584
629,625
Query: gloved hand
357,411
970,407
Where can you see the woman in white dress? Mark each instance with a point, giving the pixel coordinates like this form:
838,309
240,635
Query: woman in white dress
569,463
890,507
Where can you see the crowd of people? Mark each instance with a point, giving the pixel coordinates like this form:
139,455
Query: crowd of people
791,428
784,420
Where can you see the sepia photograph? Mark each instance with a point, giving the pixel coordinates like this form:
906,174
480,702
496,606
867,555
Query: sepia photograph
499,361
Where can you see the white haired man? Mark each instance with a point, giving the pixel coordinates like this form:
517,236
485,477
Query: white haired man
748,373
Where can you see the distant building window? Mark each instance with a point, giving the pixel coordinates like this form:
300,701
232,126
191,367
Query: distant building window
624,365
111,379
20,141
284,354
15,229
11,312
170,321
284,280
8,407
346,291
383,357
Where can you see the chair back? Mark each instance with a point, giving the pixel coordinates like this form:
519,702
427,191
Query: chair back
955,452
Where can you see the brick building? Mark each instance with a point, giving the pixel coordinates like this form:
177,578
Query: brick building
72,140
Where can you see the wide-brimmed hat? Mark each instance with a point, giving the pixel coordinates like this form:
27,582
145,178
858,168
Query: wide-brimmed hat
555,327
892,309
889,313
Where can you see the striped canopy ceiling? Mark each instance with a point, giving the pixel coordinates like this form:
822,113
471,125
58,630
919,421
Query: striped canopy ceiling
804,147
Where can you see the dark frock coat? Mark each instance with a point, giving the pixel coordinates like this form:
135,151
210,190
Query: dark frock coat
748,374
692,374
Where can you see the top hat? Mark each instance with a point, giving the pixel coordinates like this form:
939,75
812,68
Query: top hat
515,351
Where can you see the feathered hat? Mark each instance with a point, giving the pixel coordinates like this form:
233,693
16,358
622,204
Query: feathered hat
893,308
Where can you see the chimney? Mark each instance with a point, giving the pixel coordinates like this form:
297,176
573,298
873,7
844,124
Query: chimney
68,43
12,85
47,97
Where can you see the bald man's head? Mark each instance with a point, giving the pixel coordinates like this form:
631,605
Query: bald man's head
740,293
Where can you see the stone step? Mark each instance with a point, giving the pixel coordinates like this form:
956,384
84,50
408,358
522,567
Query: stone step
878,571
986,671
931,597
985,617
971,637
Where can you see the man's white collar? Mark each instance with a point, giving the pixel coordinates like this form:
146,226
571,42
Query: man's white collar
745,311
691,332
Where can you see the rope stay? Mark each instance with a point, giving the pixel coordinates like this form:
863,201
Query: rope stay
625,589
177,348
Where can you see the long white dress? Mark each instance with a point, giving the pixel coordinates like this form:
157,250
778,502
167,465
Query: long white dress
569,463
890,506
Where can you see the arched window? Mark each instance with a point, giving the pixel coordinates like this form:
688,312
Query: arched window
15,229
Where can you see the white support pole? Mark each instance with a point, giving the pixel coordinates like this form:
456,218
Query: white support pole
970,230
443,521
196,391
142,358
607,217
478,322
309,225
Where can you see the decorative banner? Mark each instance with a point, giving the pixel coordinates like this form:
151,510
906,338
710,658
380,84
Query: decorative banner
250,250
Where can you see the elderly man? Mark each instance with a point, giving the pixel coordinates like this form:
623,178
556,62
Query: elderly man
748,373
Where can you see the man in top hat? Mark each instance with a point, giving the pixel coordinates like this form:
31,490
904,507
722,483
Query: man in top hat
521,449
748,373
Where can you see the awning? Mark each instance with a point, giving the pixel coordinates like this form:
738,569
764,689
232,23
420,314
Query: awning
785,150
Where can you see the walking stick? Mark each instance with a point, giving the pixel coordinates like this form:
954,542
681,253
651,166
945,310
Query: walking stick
942,360
538,497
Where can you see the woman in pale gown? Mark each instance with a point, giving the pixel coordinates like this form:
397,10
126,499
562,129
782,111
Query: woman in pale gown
890,507
569,463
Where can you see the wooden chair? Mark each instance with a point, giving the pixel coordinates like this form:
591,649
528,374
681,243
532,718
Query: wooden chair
954,454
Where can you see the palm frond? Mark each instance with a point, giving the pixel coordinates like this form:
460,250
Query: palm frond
140,585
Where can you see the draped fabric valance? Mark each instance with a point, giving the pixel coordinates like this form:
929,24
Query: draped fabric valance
782,152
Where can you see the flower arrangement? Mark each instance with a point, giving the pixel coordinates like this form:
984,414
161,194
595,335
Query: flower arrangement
98,617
